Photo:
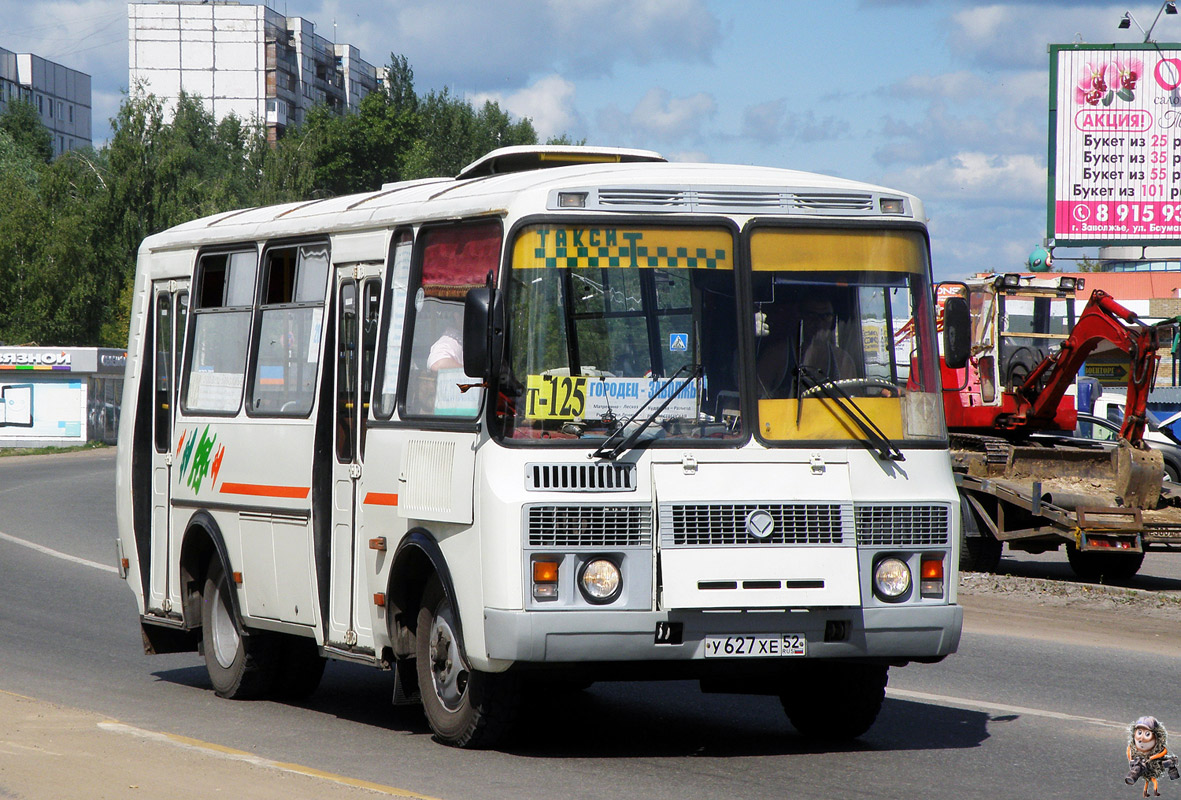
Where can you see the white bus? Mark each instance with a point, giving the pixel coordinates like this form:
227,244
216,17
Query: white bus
577,414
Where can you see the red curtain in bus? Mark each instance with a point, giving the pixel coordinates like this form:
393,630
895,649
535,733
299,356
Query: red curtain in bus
458,259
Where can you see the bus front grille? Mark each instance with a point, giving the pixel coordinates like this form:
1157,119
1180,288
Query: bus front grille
902,525
572,527
722,524
566,477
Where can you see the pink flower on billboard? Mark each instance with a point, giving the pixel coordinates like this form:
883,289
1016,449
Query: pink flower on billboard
1127,71
1103,83
1092,86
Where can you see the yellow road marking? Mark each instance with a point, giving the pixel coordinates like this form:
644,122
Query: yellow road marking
250,758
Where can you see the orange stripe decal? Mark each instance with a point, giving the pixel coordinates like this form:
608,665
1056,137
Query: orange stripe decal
381,499
262,490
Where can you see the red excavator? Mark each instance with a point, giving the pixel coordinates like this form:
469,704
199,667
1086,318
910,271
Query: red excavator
1024,480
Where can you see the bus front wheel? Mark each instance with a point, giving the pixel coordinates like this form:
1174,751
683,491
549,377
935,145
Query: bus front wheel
835,701
465,707
241,665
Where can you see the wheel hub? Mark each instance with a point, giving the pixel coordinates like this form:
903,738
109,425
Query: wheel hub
225,634
448,673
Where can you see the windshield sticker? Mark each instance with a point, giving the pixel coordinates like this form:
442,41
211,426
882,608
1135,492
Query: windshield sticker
546,247
568,398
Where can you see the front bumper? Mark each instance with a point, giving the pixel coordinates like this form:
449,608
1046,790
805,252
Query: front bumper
895,633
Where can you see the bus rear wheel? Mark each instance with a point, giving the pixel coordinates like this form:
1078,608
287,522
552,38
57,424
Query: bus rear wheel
835,701
465,707
241,665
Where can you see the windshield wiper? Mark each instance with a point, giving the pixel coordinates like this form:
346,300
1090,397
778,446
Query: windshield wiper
602,452
886,449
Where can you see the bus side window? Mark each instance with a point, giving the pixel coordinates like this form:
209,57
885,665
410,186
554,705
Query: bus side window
386,384
295,281
222,307
455,259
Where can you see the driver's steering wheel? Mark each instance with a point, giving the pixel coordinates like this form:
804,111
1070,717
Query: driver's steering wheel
866,385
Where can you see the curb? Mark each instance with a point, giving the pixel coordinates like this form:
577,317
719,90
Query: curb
994,583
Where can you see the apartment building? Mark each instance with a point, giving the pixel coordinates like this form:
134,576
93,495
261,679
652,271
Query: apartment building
243,59
61,96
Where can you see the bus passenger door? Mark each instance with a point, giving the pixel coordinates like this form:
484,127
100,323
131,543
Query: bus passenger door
357,296
169,309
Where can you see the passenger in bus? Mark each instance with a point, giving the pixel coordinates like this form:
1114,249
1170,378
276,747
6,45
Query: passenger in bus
784,326
447,351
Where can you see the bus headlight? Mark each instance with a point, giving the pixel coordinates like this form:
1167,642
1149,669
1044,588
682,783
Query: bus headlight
891,578
600,581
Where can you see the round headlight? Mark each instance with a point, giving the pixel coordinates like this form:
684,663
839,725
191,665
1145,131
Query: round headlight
891,578
600,581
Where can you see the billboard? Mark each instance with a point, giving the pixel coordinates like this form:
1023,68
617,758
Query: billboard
1115,144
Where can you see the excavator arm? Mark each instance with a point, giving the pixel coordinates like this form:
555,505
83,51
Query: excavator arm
1102,320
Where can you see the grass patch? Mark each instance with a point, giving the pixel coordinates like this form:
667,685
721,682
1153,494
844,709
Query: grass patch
5,452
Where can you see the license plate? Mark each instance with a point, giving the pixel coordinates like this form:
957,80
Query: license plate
756,645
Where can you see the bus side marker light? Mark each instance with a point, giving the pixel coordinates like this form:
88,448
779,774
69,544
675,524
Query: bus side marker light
545,580
237,577
931,583
377,544
379,599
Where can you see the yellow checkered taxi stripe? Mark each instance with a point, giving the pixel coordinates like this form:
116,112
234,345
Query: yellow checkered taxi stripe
586,247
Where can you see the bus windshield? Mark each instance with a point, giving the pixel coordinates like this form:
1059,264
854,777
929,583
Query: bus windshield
843,310
606,319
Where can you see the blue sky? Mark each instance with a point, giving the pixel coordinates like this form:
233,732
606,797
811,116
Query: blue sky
943,99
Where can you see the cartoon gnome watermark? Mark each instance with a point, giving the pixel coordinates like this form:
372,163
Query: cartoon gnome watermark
1148,757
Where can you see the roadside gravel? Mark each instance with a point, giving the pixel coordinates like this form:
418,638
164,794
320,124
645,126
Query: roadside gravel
1093,596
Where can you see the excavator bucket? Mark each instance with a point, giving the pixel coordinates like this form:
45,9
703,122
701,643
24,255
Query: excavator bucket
1068,476
1138,475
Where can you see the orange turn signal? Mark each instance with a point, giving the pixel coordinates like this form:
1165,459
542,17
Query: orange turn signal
932,570
545,571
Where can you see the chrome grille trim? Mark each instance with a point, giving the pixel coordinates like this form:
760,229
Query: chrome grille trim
574,527
559,477
724,524
901,525
733,199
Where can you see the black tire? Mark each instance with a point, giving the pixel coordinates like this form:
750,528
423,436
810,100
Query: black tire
979,551
241,663
1098,566
1171,473
300,667
833,700
464,707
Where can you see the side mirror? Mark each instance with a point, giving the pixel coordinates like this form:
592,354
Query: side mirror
483,333
957,332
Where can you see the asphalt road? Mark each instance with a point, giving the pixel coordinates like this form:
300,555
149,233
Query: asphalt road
1010,715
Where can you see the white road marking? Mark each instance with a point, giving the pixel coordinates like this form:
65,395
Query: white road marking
964,702
57,554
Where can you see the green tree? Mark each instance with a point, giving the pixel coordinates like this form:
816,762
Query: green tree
22,122
452,134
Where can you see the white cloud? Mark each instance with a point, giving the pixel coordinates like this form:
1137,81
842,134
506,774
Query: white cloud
688,156
975,176
1003,113
661,114
548,102
481,46
1014,35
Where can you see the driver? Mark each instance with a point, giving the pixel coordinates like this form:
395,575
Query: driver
812,322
